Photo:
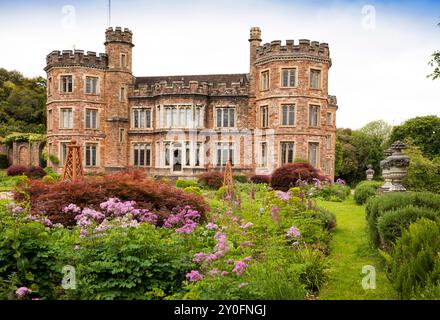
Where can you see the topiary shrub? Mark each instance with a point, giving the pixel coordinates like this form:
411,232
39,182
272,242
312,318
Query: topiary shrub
391,224
378,206
211,179
160,198
287,175
35,172
365,190
4,162
415,261
16,170
185,183
260,178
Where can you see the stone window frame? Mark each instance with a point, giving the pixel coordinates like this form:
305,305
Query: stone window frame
98,84
260,163
97,154
267,70
216,107
132,158
280,151
123,98
125,55
98,112
60,118
318,152
295,117
328,141
234,153
161,116
261,116
327,122
318,104
328,166
321,78
60,150
49,119
132,127
296,77
122,135
60,84
49,86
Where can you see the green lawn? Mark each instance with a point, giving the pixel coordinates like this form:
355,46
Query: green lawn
350,251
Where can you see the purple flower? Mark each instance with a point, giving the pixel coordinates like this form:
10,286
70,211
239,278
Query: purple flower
301,195
224,273
47,222
247,259
275,210
284,196
247,225
211,226
213,272
199,257
72,208
187,228
194,276
293,232
239,268
22,292
17,209
341,182
239,200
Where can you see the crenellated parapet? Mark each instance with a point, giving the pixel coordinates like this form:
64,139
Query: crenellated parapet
119,35
305,49
70,58
190,88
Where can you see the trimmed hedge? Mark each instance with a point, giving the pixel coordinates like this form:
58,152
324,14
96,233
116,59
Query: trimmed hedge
379,206
365,190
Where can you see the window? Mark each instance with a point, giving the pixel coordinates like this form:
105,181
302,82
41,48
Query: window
328,119
63,152
197,154
225,153
121,135
167,154
49,86
66,84
264,85
91,119
91,154
123,60
141,118
314,116
49,119
286,152
225,117
288,77
327,167
141,154
91,85
263,154
264,116
122,94
182,116
315,79
328,142
313,153
288,115
66,119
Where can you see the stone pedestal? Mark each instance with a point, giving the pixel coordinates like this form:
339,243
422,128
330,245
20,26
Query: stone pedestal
394,168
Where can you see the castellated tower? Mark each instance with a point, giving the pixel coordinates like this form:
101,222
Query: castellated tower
290,89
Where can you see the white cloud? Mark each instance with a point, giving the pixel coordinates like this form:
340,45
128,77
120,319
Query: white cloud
376,74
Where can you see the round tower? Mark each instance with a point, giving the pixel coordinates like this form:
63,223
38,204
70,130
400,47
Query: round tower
290,83
75,105
118,84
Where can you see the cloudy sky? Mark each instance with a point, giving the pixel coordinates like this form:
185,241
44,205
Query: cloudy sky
380,49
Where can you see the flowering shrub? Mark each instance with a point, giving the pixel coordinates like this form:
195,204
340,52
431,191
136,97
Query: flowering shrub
157,197
260,178
287,175
211,179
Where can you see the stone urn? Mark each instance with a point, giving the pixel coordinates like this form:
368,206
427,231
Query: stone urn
370,172
394,168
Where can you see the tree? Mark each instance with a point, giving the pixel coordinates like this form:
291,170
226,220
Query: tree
424,133
435,63
378,129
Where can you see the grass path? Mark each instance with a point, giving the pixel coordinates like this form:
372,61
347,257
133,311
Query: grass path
350,251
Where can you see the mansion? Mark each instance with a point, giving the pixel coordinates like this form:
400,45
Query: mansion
184,125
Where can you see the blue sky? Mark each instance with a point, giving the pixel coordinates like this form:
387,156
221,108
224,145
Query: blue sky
380,49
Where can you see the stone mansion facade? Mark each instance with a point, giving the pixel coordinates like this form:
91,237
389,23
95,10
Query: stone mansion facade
185,125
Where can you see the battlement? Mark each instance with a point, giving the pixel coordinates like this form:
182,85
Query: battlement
164,87
304,48
119,35
76,58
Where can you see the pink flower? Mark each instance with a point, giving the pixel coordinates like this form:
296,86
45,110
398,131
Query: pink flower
199,257
275,210
247,259
211,226
239,268
293,232
247,225
284,196
187,228
47,222
22,292
229,261
224,273
17,209
213,272
194,276
72,208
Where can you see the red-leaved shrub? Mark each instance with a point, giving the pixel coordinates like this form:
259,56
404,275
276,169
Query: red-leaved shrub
260,178
35,172
16,170
286,176
49,199
212,179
